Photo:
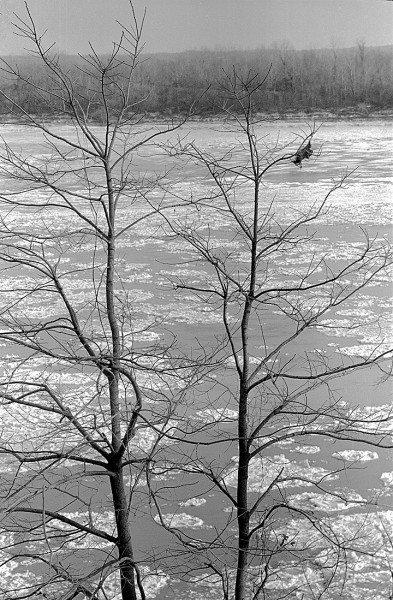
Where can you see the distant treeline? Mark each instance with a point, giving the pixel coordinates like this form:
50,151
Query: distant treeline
166,84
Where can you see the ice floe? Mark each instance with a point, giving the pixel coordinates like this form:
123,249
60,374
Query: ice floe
356,455
182,520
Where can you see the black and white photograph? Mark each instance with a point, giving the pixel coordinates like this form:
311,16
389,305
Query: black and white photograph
196,300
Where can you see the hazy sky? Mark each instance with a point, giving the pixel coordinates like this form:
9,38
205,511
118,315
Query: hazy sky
173,25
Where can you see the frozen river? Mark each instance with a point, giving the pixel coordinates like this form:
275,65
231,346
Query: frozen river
150,260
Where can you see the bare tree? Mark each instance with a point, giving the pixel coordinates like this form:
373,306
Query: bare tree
80,363
263,280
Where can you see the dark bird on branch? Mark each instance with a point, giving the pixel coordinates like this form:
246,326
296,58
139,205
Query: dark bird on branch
303,153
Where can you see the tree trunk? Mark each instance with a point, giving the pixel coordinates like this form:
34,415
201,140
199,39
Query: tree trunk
243,517
124,544
120,503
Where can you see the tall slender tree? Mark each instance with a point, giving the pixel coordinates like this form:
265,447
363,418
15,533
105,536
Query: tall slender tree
78,369
270,288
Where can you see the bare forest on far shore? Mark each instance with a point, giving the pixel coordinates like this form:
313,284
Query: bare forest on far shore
357,79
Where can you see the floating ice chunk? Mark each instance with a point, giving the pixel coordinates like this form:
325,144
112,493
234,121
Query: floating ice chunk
355,455
366,350
182,520
193,502
211,415
305,449
325,502
387,479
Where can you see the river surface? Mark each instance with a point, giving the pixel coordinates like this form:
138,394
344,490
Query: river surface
150,261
